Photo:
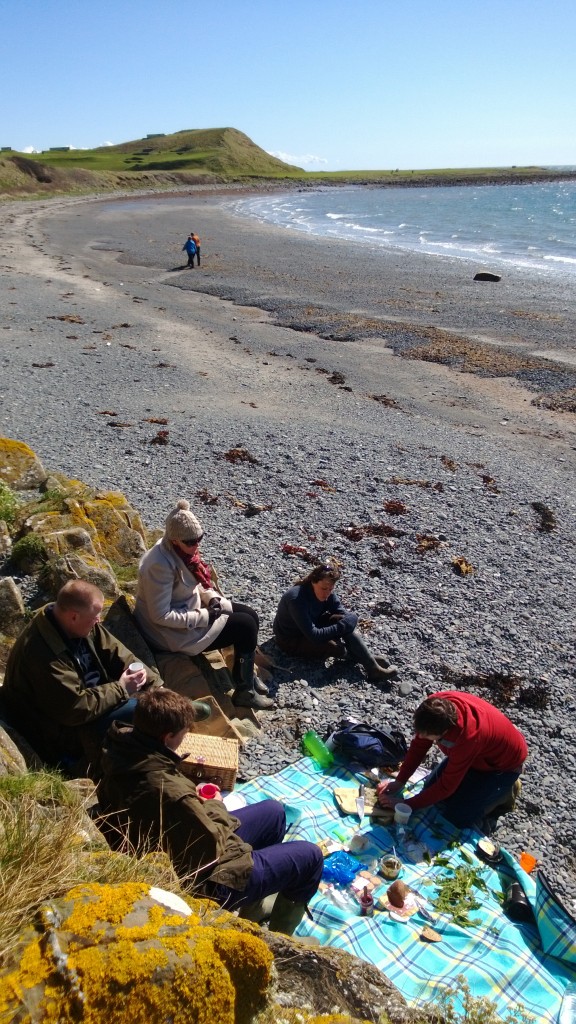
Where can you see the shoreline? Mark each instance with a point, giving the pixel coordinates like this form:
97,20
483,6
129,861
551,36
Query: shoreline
104,332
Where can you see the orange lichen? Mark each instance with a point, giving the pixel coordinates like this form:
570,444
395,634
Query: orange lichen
164,965
108,903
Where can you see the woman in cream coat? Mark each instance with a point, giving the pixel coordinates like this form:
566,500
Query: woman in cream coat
178,609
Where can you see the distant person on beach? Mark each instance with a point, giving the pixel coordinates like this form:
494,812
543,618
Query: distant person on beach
68,678
311,622
195,238
484,755
236,859
178,609
190,247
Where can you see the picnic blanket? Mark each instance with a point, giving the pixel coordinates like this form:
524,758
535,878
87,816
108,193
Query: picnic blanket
501,960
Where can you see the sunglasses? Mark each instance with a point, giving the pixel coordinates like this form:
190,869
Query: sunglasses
191,542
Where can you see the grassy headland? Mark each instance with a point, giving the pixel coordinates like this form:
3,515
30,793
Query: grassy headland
207,156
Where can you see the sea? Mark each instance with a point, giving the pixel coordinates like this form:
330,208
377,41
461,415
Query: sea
532,226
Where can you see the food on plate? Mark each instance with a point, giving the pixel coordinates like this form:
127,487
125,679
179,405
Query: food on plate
397,893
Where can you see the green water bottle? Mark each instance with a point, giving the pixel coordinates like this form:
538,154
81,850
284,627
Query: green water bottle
317,749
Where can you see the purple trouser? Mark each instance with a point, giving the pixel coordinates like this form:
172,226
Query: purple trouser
294,869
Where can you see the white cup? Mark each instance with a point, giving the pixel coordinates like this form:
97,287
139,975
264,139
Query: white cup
136,666
402,813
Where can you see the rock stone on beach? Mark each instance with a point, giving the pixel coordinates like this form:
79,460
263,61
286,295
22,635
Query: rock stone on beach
466,454
21,468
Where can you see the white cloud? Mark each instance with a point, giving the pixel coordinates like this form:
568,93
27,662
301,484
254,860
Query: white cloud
305,160
107,143
30,149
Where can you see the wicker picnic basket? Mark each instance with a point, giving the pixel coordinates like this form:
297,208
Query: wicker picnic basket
209,759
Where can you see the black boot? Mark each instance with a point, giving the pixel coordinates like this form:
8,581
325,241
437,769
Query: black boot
259,684
246,695
358,651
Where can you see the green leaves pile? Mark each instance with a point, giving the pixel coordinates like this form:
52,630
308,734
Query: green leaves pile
456,896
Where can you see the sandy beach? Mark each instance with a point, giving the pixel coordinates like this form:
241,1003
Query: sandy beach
294,347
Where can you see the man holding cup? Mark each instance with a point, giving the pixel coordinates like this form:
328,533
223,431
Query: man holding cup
67,678
484,755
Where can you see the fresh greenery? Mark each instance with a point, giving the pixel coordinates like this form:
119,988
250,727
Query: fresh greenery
44,786
8,503
29,551
456,895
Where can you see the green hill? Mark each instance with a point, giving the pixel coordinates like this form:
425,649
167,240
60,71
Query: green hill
206,156
185,157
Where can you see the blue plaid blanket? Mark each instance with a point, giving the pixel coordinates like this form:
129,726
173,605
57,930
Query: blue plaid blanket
501,960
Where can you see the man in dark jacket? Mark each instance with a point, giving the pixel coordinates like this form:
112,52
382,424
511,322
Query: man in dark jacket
67,677
484,754
237,859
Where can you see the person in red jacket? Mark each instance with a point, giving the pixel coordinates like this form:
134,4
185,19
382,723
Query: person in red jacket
484,754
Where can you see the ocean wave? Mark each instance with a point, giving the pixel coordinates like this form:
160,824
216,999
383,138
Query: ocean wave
525,226
561,259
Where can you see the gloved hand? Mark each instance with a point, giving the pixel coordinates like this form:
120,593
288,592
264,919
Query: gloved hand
214,610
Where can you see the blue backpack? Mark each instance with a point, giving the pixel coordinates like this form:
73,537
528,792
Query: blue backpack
370,747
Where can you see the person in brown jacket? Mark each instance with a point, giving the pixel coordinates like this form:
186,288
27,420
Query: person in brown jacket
236,859
67,678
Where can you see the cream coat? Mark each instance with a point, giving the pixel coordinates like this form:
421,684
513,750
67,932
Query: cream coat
171,605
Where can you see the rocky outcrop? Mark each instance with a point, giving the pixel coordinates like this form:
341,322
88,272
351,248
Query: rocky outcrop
331,981
20,468
60,529
12,608
114,953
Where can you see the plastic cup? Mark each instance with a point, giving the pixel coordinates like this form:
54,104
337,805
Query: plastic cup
208,791
402,813
135,666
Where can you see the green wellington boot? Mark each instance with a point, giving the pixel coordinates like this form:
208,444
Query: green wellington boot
286,915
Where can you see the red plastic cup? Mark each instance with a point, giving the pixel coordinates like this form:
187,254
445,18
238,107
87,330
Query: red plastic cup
208,791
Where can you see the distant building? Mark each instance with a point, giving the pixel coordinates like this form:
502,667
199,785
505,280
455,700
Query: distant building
156,135
5,149
59,149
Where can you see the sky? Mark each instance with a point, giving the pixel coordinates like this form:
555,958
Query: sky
324,84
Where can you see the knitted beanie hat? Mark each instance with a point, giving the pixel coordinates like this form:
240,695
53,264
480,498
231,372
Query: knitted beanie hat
181,523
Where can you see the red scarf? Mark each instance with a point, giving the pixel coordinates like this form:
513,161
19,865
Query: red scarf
193,562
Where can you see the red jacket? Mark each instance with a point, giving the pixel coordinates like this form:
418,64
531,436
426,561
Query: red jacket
483,739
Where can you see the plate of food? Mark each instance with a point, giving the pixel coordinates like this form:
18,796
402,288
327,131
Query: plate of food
489,850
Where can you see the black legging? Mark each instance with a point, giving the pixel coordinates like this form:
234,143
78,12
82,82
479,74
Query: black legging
240,631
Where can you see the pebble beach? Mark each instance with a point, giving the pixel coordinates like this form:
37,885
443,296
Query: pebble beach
296,352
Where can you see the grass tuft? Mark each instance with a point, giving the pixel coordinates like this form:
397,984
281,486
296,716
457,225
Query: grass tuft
46,849
8,503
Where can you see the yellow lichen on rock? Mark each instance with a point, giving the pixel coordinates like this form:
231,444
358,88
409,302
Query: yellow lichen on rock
120,955
19,465
118,541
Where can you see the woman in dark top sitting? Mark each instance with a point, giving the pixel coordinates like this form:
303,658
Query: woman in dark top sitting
311,622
